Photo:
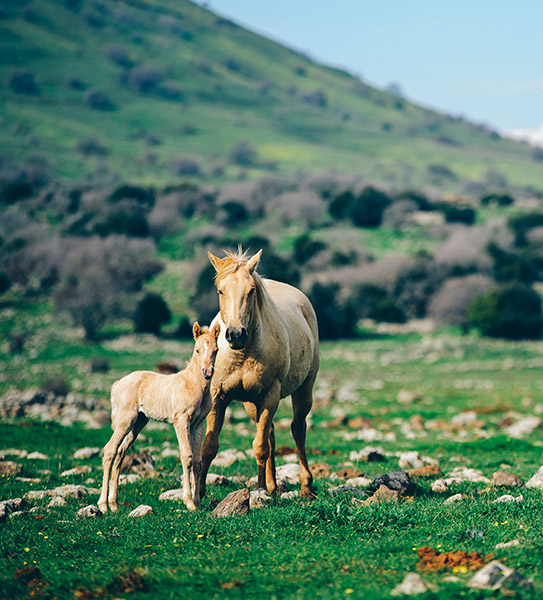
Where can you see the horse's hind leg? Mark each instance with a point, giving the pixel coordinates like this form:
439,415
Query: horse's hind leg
302,400
130,438
271,481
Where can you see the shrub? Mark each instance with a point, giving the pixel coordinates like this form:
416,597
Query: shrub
419,199
340,204
305,248
439,172
151,313
454,213
145,197
91,147
99,100
119,55
234,213
169,91
366,210
498,199
371,301
5,282
399,214
537,154
13,191
304,207
511,266
184,329
242,154
185,167
22,82
335,316
122,220
513,312
76,83
521,224
145,78
315,98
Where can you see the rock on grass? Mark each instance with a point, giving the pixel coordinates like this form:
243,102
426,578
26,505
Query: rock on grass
412,585
496,575
141,511
236,503
89,512
395,480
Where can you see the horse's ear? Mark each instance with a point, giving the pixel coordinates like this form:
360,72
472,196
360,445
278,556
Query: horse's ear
196,330
252,263
216,329
215,261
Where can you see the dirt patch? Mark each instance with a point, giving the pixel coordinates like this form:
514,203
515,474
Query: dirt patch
432,560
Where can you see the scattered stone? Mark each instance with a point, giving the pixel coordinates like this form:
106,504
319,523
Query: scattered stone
8,467
408,397
452,499
463,474
509,498
466,419
536,481
413,460
228,457
14,505
358,482
348,473
73,491
510,544
360,423
89,512
217,480
412,585
79,470
289,473
57,501
346,489
236,503
501,478
395,480
523,427
38,510
320,470
426,471
176,494
87,452
368,454
125,478
170,453
439,486
495,575
339,421
290,495
139,462
259,498
28,479
141,511
37,456
13,452
383,494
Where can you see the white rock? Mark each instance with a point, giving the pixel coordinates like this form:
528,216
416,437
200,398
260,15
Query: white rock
510,544
509,498
86,452
57,501
228,457
366,452
218,480
176,494
537,480
259,498
413,460
465,419
494,575
36,494
462,474
439,486
290,495
13,452
79,470
523,427
141,511
452,499
37,456
170,452
407,397
358,482
73,491
289,473
412,585
125,478
89,512
290,458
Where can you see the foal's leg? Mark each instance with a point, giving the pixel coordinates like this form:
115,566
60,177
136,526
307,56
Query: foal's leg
215,421
182,430
302,400
141,422
261,443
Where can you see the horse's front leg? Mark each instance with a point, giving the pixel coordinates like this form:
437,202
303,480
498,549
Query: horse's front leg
262,444
197,437
215,421
182,430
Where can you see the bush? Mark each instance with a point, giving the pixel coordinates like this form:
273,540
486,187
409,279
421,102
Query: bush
371,301
305,248
315,98
22,82
521,224
419,199
513,312
336,317
151,313
143,196
234,213
537,154
439,172
498,199
366,210
512,267
14,191
5,282
122,220
242,154
399,214
99,100
145,78
185,167
184,329
454,213
339,206
119,55
76,84
91,147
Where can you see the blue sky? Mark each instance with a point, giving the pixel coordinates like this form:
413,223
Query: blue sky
482,59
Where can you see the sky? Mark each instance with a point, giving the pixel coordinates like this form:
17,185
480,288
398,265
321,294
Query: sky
482,59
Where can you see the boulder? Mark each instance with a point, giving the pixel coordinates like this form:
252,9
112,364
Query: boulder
504,479
395,480
495,575
236,503
89,512
141,511
259,498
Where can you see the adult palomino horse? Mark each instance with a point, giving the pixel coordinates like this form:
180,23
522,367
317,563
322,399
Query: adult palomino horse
268,349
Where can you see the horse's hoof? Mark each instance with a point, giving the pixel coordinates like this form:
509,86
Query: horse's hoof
308,493
103,508
113,507
190,506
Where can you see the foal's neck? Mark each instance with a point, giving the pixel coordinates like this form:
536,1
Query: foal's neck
195,372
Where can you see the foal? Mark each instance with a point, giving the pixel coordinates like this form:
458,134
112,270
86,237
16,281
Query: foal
182,399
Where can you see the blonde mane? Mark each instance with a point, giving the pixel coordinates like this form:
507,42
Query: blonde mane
232,262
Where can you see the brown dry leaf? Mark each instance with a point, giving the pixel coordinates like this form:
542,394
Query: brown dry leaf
360,423
432,560
348,473
320,470
231,585
284,450
426,471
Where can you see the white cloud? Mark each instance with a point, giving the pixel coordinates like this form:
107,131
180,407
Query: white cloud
533,136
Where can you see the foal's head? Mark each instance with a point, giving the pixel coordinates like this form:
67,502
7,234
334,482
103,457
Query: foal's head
205,348
237,284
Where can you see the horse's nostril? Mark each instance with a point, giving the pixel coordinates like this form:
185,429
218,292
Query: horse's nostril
228,335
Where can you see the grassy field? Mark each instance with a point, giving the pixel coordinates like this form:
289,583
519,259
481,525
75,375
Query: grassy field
328,548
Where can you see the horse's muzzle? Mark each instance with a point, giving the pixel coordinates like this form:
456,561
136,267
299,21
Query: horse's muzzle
236,337
207,373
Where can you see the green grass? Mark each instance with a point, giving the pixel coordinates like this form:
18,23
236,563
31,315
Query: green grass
293,548
222,105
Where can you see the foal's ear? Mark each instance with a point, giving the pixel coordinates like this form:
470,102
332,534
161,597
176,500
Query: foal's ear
216,329
252,263
215,261
196,330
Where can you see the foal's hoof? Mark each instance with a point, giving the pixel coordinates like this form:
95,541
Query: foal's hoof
113,507
103,507
308,493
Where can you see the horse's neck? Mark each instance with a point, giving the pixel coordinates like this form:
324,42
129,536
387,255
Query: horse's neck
265,316
192,372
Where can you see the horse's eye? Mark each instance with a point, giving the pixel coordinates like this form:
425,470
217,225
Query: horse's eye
220,293
197,351
251,291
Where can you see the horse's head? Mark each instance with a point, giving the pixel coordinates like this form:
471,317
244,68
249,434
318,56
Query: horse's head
237,287
205,348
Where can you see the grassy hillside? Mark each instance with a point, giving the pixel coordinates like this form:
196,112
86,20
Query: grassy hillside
152,83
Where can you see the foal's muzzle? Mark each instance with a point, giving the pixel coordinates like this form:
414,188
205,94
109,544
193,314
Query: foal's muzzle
236,337
207,373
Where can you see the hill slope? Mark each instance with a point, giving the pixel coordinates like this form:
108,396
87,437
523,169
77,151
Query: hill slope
135,88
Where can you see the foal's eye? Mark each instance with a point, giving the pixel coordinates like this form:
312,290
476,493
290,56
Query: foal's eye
220,292
197,351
